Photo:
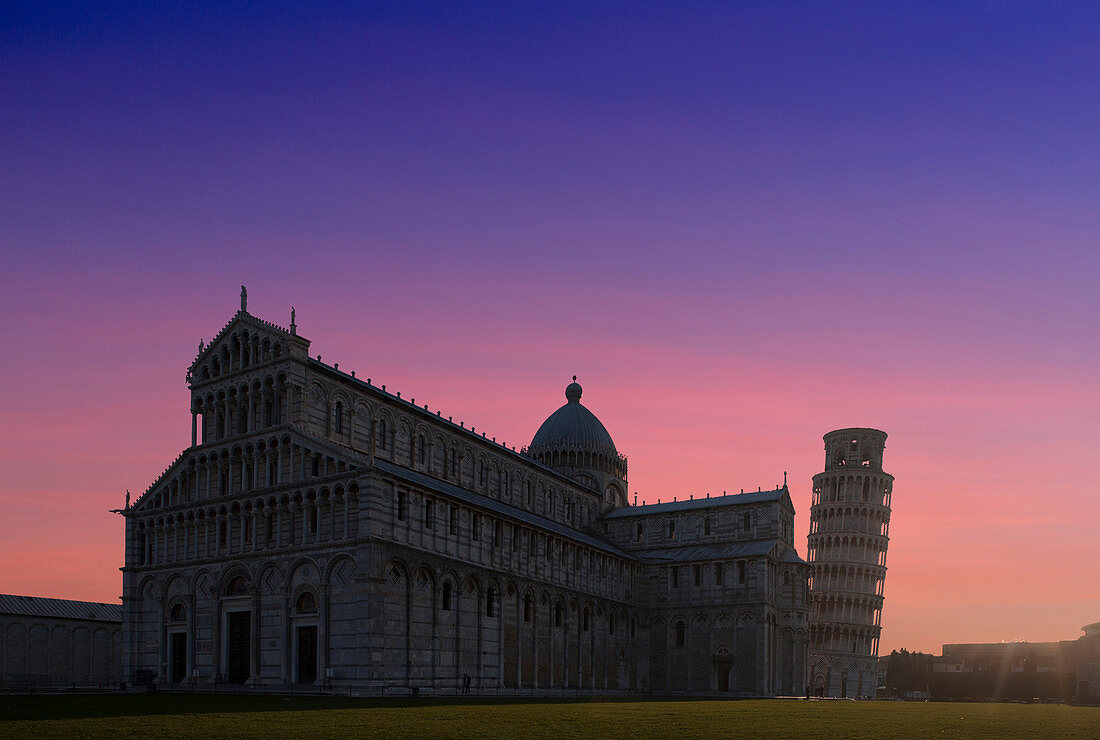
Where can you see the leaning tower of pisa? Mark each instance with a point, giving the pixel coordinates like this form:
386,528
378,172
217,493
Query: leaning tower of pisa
849,531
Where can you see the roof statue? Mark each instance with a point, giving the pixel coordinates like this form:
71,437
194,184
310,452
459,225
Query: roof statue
244,298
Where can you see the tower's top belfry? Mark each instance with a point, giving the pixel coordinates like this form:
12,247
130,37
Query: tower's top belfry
855,448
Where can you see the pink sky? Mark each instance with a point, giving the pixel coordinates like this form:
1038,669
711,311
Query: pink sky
740,226
992,447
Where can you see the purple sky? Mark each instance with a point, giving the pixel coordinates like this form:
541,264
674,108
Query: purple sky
740,226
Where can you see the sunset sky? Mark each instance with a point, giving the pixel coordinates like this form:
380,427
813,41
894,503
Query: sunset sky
741,225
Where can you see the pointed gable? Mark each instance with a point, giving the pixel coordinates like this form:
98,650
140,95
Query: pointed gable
245,341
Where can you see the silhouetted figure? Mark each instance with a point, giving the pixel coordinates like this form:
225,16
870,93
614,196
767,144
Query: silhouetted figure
465,683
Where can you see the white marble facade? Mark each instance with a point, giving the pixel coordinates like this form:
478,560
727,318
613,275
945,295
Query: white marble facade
849,534
323,531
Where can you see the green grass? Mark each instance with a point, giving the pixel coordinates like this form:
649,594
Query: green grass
162,715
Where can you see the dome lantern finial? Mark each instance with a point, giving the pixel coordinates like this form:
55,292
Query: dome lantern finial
573,391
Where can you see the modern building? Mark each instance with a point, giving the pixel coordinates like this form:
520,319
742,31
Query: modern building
1019,669
323,530
849,533
48,643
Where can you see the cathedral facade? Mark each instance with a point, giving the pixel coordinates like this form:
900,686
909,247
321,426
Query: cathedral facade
323,531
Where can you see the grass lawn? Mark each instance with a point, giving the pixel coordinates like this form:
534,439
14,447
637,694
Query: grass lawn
164,715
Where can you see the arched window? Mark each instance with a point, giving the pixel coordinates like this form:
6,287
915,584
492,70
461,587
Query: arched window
584,619
339,423
447,596
421,448
679,633
557,615
178,613
611,623
866,488
490,602
402,505
237,587
306,602
527,607
381,434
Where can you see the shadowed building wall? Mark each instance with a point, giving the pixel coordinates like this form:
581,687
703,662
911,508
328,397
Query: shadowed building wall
56,642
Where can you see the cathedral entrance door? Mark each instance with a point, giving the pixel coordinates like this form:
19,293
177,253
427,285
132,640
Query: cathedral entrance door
307,654
722,670
240,646
179,657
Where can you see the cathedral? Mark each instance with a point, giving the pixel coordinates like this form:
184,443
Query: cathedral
322,531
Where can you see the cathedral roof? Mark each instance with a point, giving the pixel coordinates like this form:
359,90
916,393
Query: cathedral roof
733,499
573,427
485,502
40,606
755,548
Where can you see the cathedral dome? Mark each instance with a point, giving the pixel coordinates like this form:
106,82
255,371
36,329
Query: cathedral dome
573,426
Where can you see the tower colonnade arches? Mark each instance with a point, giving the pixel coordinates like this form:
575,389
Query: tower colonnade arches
846,546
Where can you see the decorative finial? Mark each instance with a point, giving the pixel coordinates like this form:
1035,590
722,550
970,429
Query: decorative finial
784,478
244,298
127,498
202,346
293,326
574,378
